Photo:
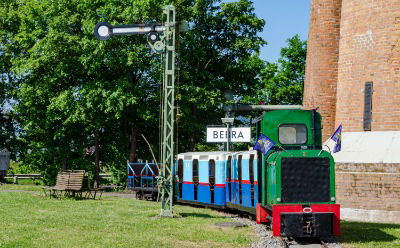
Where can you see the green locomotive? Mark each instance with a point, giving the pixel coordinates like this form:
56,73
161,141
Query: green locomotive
298,178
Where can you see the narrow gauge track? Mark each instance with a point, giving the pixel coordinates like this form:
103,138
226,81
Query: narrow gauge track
311,243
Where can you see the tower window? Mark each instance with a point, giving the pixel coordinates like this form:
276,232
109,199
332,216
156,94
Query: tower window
367,106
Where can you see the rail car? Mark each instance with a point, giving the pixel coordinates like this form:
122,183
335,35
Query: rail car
292,187
142,179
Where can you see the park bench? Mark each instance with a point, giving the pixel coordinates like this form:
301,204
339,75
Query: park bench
61,185
71,184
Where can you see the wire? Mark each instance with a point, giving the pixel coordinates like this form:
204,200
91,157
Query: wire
151,151
284,150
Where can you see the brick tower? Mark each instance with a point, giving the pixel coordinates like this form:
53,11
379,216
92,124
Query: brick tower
353,77
322,61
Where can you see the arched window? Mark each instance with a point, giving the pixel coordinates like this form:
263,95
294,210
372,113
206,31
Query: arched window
251,173
240,178
211,177
180,176
195,177
229,176
251,169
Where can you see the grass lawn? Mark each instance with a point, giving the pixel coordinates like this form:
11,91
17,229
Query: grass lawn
27,187
369,235
32,221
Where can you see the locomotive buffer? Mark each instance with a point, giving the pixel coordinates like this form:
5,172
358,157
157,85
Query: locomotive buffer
161,38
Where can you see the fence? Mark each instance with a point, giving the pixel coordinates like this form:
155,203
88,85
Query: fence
16,177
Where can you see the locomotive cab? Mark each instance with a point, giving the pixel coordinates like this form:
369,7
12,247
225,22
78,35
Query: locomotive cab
293,129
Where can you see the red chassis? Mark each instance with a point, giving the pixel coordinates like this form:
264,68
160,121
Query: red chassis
264,215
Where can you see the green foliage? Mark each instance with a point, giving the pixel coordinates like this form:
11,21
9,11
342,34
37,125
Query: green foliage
284,79
70,87
219,53
21,168
7,118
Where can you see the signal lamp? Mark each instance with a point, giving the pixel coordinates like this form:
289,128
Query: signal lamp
152,37
103,30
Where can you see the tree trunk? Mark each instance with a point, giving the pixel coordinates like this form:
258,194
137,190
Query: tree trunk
132,151
192,134
97,159
64,164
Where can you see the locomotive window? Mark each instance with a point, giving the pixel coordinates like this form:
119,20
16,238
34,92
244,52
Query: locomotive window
292,134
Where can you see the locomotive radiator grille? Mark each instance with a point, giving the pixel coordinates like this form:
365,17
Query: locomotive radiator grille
305,180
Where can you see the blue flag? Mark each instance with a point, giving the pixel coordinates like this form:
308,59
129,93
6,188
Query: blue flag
337,137
264,144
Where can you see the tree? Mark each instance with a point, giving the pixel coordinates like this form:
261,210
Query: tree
219,53
284,79
80,100
7,117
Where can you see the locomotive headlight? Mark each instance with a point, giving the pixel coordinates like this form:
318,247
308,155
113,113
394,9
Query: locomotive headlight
333,198
278,199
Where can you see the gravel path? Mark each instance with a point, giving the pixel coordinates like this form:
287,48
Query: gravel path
266,240
120,194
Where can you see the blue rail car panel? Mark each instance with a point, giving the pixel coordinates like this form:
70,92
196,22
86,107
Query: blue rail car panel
204,195
187,186
220,187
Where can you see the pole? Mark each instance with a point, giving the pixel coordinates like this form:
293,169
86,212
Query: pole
168,111
248,108
228,137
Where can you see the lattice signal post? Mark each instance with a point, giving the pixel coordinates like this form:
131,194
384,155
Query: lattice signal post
162,39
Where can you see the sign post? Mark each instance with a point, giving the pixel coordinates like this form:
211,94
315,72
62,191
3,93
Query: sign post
228,122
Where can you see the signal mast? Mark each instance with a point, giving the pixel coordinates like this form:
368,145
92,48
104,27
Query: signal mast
162,39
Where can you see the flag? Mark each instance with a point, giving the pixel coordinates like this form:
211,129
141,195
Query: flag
264,144
337,137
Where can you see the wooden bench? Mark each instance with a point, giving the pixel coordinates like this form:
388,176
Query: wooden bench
91,192
68,183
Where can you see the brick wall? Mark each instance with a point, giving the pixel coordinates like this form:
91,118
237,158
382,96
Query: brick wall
322,61
369,51
368,186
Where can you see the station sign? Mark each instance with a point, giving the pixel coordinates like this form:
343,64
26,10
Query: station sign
236,134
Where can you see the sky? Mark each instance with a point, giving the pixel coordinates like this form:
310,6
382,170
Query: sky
283,19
